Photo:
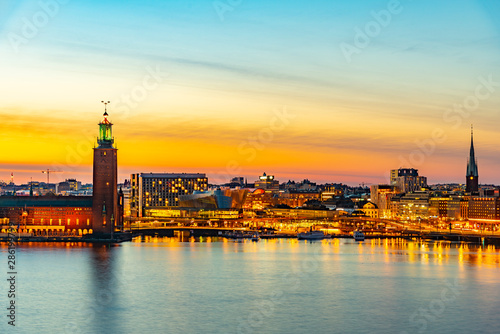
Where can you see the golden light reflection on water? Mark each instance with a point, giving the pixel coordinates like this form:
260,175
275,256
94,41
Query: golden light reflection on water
439,253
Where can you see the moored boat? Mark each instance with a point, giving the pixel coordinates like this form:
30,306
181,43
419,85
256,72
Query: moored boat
358,236
313,235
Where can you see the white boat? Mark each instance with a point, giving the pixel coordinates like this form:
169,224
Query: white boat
358,236
313,235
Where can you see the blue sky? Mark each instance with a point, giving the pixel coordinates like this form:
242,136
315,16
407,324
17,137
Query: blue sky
223,78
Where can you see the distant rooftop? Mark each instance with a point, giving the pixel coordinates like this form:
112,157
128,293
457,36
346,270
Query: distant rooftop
44,201
172,175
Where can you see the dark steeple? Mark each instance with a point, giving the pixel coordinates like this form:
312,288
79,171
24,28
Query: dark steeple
472,184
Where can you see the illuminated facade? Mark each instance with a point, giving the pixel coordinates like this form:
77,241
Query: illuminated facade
259,199
485,209
414,205
172,212
48,215
380,195
267,182
450,207
370,210
214,199
296,199
162,189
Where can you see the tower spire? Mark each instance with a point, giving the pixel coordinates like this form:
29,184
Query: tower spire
106,107
472,171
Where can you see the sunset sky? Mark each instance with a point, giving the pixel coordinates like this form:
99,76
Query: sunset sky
203,86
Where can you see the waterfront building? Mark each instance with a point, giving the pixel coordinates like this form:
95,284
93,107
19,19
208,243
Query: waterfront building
48,215
106,217
162,189
407,180
484,210
472,175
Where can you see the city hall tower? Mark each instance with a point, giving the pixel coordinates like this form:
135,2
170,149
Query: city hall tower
105,196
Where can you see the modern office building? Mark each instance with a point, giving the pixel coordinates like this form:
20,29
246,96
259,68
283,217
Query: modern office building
407,180
162,189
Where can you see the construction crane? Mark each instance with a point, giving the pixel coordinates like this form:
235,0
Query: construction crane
48,172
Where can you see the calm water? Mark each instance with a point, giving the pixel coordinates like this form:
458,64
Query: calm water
274,286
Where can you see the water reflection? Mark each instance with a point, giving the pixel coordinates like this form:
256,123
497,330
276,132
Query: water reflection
394,250
158,284
105,289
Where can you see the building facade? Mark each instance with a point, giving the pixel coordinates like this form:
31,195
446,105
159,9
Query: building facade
48,215
267,182
407,180
484,209
380,195
162,189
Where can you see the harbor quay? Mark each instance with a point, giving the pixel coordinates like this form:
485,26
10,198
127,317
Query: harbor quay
266,228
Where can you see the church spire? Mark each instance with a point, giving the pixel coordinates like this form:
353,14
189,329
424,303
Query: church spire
472,172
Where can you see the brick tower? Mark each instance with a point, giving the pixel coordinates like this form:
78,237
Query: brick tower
105,196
